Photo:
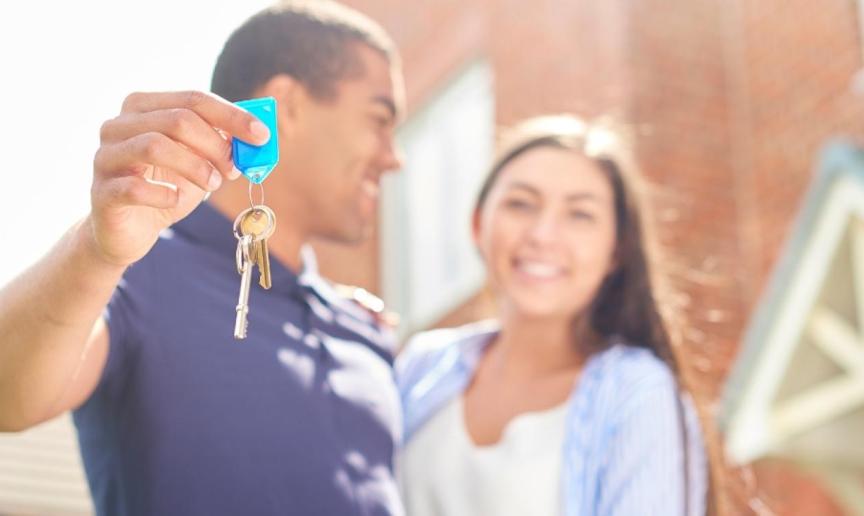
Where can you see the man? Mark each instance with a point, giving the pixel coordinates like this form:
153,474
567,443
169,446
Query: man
130,325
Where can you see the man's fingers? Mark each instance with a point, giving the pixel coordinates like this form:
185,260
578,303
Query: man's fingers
179,124
135,155
138,191
215,110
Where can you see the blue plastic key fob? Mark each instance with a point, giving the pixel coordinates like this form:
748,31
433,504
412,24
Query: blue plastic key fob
254,161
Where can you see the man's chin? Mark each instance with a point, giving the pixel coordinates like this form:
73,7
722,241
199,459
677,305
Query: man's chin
349,236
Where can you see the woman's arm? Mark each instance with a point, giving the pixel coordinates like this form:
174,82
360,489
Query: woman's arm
653,466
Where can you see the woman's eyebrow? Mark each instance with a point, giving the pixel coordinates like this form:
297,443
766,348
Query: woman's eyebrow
574,197
582,196
519,185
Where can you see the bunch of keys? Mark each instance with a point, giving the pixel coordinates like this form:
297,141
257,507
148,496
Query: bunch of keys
252,228
256,224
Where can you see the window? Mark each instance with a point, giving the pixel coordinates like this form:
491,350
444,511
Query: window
429,264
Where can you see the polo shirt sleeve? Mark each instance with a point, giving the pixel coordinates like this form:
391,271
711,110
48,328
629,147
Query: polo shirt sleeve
644,465
124,317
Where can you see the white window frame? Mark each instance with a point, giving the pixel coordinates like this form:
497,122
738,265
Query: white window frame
429,264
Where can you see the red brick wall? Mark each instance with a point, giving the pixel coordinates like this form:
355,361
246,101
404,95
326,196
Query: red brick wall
680,104
735,99
729,101
558,56
799,61
795,66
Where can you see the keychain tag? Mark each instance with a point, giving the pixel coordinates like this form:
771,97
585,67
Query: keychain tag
254,161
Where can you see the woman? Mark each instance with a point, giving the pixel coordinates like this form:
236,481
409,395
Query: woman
570,402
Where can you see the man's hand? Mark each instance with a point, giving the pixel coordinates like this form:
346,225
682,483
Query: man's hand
156,162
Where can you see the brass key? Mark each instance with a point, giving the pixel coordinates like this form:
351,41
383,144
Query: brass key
252,228
260,221
262,260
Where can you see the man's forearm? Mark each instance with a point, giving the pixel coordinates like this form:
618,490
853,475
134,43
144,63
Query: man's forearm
155,163
46,317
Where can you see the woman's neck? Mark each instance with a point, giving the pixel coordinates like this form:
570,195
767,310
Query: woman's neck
527,348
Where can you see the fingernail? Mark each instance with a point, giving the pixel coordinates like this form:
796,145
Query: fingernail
260,131
234,174
215,180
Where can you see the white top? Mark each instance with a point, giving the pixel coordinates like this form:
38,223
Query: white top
625,450
444,473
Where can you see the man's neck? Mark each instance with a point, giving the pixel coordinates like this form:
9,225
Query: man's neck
287,240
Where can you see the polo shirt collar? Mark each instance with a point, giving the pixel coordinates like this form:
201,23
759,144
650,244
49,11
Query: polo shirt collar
208,227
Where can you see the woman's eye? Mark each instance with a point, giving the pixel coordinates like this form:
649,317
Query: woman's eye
581,215
517,204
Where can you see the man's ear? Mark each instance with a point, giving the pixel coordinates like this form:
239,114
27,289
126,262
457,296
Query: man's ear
289,94
476,222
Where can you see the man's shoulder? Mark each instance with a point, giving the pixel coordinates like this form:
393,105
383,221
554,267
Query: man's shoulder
362,304
168,248
176,271
355,313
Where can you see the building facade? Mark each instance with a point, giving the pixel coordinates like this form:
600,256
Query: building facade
728,104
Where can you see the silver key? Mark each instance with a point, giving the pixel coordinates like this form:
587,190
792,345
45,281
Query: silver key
252,228
245,262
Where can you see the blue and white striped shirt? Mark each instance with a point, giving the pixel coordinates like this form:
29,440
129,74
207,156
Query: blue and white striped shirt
623,449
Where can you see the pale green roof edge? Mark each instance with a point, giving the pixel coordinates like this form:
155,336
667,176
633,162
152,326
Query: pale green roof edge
838,158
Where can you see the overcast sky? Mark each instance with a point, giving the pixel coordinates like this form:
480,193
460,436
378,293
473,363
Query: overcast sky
66,67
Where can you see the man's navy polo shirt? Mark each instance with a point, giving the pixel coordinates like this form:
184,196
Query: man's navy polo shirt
301,418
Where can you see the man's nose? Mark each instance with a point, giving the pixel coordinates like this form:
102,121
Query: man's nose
391,157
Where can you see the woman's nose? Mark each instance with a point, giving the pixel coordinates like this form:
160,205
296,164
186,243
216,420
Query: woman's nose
544,229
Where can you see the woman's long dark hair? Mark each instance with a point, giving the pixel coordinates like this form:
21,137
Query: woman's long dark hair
626,304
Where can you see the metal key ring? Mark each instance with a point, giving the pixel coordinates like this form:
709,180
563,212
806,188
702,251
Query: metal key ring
268,231
242,255
252,202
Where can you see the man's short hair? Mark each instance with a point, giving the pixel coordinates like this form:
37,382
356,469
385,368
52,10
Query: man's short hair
313,41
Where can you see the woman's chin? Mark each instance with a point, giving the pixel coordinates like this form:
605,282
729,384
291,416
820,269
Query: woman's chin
540,309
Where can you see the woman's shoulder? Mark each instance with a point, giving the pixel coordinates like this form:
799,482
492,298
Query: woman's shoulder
625,373
625,386
632,364
428,347
433,341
